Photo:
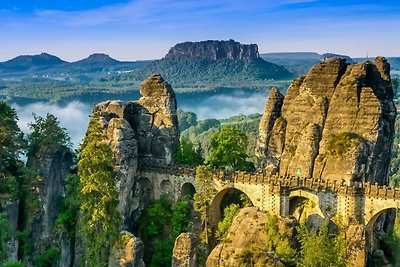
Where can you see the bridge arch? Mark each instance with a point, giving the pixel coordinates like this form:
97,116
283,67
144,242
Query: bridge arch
188,189
215,214
146,189
378,224
305,207
166,187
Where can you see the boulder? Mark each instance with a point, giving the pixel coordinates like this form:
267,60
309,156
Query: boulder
129,254
184,252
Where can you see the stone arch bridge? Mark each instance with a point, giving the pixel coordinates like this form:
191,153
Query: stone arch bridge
355,207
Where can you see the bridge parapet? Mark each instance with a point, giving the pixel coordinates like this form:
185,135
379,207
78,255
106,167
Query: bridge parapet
288,182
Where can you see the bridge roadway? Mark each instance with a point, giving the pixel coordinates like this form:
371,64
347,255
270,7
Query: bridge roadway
349,205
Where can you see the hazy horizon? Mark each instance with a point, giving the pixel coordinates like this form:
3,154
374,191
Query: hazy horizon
137,29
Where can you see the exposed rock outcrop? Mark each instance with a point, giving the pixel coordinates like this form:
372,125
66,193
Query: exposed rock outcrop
214,50
335,123
122,140
53,170
130,254
140,132
153,118
269,148
247,232
184,253
11,211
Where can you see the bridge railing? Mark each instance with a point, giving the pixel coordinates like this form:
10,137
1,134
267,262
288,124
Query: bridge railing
291,182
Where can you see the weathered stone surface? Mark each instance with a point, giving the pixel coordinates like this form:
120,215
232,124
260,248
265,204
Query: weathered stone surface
11,210
339,122
184,252
53,171
214,50
246,232
270,151
130,255
153,118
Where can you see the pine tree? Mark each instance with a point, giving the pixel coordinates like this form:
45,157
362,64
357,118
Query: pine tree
100,218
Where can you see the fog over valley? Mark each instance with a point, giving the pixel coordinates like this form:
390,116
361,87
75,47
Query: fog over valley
74,115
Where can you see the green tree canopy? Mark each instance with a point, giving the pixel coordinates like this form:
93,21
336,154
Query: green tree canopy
98,195
187,154
186,119
320,248
47,136
11,148
228,150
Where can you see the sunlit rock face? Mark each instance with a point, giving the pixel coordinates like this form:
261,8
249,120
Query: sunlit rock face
153,118
337,122
142,131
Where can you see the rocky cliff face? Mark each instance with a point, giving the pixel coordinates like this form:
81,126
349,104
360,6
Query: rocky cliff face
335,123
153,118
214,50
53,170
142,131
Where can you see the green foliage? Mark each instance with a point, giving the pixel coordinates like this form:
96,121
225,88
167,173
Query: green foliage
395,84
48,258
47,136
202,198
5,235
340,144
13,264
278,244
25,242
162,253
206,74
201,133
155,218
228,150
160,225
187,154
180,217
230,213
69,206
11,148
100,218
320,248
186,119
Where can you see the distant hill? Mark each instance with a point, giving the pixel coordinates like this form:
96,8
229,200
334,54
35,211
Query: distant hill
51,65
299,62
213,64
31,63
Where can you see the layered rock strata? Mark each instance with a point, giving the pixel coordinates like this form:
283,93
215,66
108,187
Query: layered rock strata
335,123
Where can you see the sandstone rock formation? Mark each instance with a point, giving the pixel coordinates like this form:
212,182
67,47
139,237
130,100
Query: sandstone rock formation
214,50
11,211
53,171
247,232
121,139
184,253
130,254
335,123
153,118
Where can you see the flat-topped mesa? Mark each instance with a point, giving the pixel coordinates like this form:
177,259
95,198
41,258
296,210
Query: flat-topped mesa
337,122
215,50
153,118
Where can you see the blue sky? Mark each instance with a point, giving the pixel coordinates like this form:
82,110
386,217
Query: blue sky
146,29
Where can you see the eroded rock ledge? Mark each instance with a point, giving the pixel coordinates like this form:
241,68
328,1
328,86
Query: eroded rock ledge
336,123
